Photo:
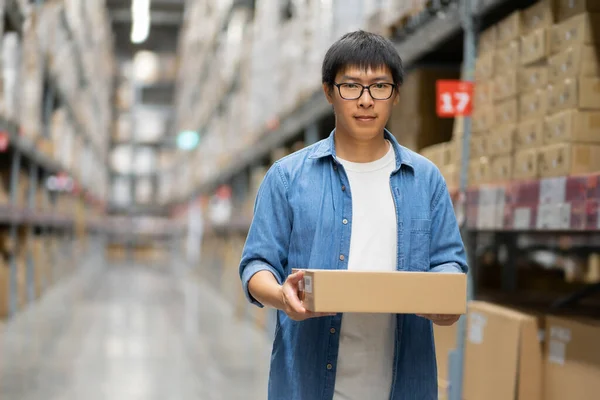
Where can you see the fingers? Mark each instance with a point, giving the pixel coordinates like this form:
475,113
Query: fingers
441,319
292,300
295,277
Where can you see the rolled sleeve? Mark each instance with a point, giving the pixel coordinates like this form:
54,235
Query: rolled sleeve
249,271
447,252
268,240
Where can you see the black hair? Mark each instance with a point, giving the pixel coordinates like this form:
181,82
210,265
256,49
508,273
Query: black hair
363,50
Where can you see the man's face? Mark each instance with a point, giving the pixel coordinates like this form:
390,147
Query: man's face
363,118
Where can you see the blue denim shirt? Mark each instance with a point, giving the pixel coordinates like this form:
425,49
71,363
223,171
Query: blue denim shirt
298,224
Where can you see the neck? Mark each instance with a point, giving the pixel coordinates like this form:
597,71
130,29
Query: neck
359,151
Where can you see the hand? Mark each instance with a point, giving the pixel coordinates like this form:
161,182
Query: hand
292,305
441,319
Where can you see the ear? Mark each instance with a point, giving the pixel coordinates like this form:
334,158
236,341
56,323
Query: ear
328,93
396,96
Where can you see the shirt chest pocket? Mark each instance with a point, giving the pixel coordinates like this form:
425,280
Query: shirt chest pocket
420,239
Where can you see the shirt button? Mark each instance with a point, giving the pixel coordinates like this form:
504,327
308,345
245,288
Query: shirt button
345,221
329,366
334,167
332,330
342,257
343,188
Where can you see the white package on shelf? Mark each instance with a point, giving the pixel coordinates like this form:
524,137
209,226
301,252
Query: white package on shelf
31,86
11,61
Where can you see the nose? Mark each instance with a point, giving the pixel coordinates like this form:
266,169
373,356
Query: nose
365,100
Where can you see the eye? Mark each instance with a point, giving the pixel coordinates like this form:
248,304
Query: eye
380,86
351,85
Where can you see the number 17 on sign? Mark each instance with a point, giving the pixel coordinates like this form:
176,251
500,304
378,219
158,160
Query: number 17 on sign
454,98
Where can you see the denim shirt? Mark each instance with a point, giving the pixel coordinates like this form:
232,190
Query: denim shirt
297,223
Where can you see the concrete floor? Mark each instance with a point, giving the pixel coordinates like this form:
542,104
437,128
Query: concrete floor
131,332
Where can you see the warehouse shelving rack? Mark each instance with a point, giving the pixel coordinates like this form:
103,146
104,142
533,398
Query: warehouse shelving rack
24,155
422,36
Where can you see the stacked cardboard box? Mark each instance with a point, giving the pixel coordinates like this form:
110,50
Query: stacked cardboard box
571,141
414,121
522,354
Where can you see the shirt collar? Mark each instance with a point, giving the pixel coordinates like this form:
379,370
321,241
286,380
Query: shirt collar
327,148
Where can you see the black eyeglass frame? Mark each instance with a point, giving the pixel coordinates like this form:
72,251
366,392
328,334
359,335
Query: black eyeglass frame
363,87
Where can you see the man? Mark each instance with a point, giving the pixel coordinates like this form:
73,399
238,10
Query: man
358,201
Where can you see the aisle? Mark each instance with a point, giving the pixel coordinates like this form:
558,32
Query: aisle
131,333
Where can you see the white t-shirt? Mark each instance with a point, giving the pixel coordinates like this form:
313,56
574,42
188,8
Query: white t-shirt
366,353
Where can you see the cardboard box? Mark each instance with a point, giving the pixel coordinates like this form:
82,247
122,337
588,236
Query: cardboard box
535,47
480,171
575,31
507,112
530,134
384,292
502,167
509,29
508,56
572,361
526,164
445,341
533,104
533,77
506,85
451,174
484,67
537,16
573,126
574,62
501,141
503,354
439,154
479,146
483,119
565,159
570,8
582,93
487,40
484,94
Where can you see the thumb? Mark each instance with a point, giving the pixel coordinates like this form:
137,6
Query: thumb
296,277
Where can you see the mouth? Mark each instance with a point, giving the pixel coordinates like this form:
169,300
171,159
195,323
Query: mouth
364,118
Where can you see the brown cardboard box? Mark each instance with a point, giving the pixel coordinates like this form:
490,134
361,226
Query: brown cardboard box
572,362
483,119
445,341
507,112
483,94
533,77
570,8
564,159
530,134
502,167
487,40
508,56
574,62
484,67
506,85
503,354
535,47
575,31
451,174
509,29
384,292
439,154
533,104
539,15
455,147
4,288
526,164
501,141
479,146
480,171
573,126
583,93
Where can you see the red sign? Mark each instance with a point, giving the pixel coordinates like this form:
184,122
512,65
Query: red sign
454,98
3,141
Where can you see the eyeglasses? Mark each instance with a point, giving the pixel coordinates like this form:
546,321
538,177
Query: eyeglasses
353,91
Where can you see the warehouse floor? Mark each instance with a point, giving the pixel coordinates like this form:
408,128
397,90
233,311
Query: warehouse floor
131,332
